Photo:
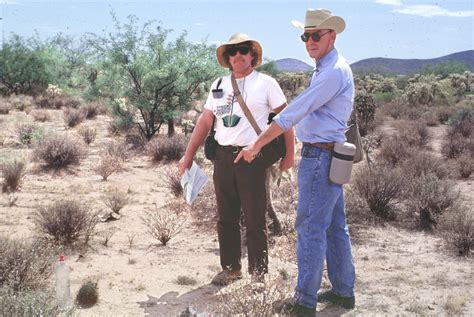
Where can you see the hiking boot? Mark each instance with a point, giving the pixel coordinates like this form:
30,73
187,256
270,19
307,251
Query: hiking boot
292,308
226,277
333,298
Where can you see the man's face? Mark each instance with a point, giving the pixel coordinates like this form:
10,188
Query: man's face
240,57
317,49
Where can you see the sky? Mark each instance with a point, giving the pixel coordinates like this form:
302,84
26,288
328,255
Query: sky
374,28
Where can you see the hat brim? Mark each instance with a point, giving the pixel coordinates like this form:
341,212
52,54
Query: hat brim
332,23
221,49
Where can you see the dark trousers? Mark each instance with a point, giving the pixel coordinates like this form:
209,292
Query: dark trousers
238,187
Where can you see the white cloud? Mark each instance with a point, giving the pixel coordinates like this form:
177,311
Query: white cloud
430,11
389,2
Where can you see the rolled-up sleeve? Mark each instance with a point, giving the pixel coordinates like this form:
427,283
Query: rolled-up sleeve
323,88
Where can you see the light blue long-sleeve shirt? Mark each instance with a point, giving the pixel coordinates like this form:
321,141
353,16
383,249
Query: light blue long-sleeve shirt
321,111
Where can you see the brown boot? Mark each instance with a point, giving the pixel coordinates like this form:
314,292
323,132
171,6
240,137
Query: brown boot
226,277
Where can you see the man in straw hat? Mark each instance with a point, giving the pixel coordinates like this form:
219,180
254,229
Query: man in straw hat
239,186
321,113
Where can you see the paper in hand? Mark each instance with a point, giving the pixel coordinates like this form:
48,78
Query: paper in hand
193,181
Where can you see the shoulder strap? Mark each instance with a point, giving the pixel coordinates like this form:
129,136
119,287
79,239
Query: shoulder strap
244,107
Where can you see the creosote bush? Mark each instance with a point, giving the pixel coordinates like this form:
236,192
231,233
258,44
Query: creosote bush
429,197
88,294
107,166
24,265
66,221
12,173
58,151
88,134
167,149
163,225
457,228
381,187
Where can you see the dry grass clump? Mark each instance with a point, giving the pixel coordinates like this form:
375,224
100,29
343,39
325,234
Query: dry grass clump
115,200
381,187
394,150
91,110
428,198
116,149
173,181
20,102
164,224
27,133
40,115
4,108
88,134
185,280
58,151
423,163
457,228
24,265
66,221
12,173
72,117
167,149
454,145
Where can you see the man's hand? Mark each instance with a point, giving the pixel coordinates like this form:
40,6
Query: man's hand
287,162
184,163
249,153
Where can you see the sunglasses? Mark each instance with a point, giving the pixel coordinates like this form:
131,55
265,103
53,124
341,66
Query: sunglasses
243,50
314,36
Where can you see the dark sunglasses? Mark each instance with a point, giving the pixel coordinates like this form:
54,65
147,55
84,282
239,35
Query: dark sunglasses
243,50
314,36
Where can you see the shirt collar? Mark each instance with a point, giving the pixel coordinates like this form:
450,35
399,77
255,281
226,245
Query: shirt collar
326,59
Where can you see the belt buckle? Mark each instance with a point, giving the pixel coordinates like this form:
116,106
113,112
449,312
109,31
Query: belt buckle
236,149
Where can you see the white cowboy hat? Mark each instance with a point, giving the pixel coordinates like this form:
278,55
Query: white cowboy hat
320,19
236,39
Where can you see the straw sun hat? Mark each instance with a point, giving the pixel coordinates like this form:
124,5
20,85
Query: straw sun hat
321,19
236,39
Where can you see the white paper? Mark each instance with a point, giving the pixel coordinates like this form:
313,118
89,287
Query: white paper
193,181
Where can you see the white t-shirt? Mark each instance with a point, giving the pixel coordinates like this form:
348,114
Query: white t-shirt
261,93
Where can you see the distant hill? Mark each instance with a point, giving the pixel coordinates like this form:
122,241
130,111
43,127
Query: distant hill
409,66
292,65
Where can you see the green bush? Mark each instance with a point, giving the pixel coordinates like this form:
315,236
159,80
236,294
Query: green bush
88,294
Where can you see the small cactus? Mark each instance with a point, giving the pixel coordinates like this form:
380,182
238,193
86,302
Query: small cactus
88,294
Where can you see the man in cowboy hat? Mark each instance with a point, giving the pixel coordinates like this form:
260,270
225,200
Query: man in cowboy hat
239,186
320,114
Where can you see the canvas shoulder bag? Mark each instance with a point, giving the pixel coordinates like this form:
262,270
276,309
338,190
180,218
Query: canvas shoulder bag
353,136
273,151
210,144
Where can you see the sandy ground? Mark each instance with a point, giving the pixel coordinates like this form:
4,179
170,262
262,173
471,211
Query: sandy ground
399,272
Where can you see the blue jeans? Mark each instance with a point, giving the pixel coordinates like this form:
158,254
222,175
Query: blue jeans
322,230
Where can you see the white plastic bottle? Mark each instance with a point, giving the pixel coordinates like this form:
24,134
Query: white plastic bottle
63,284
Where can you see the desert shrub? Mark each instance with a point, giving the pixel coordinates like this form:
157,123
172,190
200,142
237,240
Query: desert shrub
413,133
24,265
457,228
444,113
27,303
253,299
72,117
107,166
465,164
88,134
428,198
205,206
461,122
69,102
12,173
90,110
20,102
454,145
40,115
162,225
185,280
135,140
58,151
423,163
381,187
65,220
394,150
4,108
118,150
173,181
119,126
88,294
115,200
364,107
27,133
167,149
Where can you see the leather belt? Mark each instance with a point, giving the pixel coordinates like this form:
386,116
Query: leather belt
231,148
323,145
